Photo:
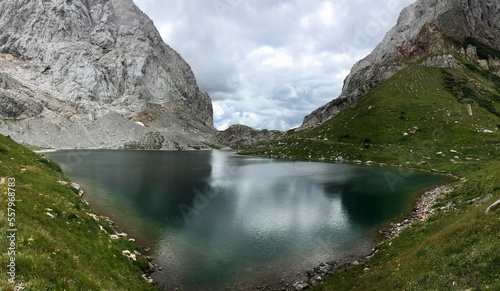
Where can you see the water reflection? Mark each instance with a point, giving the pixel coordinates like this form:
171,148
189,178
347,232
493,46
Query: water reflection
220,218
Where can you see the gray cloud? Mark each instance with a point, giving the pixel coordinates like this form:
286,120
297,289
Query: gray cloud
267,63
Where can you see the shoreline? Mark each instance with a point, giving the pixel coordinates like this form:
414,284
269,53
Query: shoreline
421,211
117,234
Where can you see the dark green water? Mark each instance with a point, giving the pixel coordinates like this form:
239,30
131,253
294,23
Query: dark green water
216,219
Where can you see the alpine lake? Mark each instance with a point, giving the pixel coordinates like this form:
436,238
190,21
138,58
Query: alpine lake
215,220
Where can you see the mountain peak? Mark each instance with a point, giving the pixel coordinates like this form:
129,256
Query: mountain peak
423,29
82,62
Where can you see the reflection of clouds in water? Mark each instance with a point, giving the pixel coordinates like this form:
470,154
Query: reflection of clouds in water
219,161
251,212
270,200
261,205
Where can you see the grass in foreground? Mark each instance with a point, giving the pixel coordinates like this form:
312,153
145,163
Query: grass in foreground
68,251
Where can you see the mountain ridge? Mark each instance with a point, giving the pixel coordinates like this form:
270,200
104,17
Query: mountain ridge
77,64
464,18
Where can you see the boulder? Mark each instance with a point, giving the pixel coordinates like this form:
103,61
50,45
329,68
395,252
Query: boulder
301,286
493,207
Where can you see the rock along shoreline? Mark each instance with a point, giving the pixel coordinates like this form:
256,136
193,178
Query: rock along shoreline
114,234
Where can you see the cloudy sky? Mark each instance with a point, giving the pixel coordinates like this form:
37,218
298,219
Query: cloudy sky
268,63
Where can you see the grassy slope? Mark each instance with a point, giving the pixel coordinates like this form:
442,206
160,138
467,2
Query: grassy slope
373,129
457,250
67,252
452,251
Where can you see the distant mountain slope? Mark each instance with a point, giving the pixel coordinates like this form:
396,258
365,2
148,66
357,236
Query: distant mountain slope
81,73
423,29
415,118
432,86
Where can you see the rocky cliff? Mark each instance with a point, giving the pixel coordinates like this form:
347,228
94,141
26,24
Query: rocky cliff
433,30
94,73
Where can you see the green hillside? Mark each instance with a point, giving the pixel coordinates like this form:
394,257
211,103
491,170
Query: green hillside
419,119
58,245
407,121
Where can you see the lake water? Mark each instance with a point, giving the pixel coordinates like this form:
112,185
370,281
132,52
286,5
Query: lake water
214,219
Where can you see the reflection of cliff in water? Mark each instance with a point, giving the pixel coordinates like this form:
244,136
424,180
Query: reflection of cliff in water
371,196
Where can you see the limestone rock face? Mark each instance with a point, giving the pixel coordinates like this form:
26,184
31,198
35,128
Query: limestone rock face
79,61
16,101
420,31
442,61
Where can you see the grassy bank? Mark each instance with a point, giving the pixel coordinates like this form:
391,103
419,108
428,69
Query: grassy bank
58,245
419,119
454,250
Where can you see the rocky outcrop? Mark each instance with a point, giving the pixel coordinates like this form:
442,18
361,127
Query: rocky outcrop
16,101
74,63
240,136
493,207
446,61
421,32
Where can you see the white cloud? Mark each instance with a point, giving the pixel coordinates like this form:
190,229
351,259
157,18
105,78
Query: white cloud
218,111
269,57
165,30
267,64
327,14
